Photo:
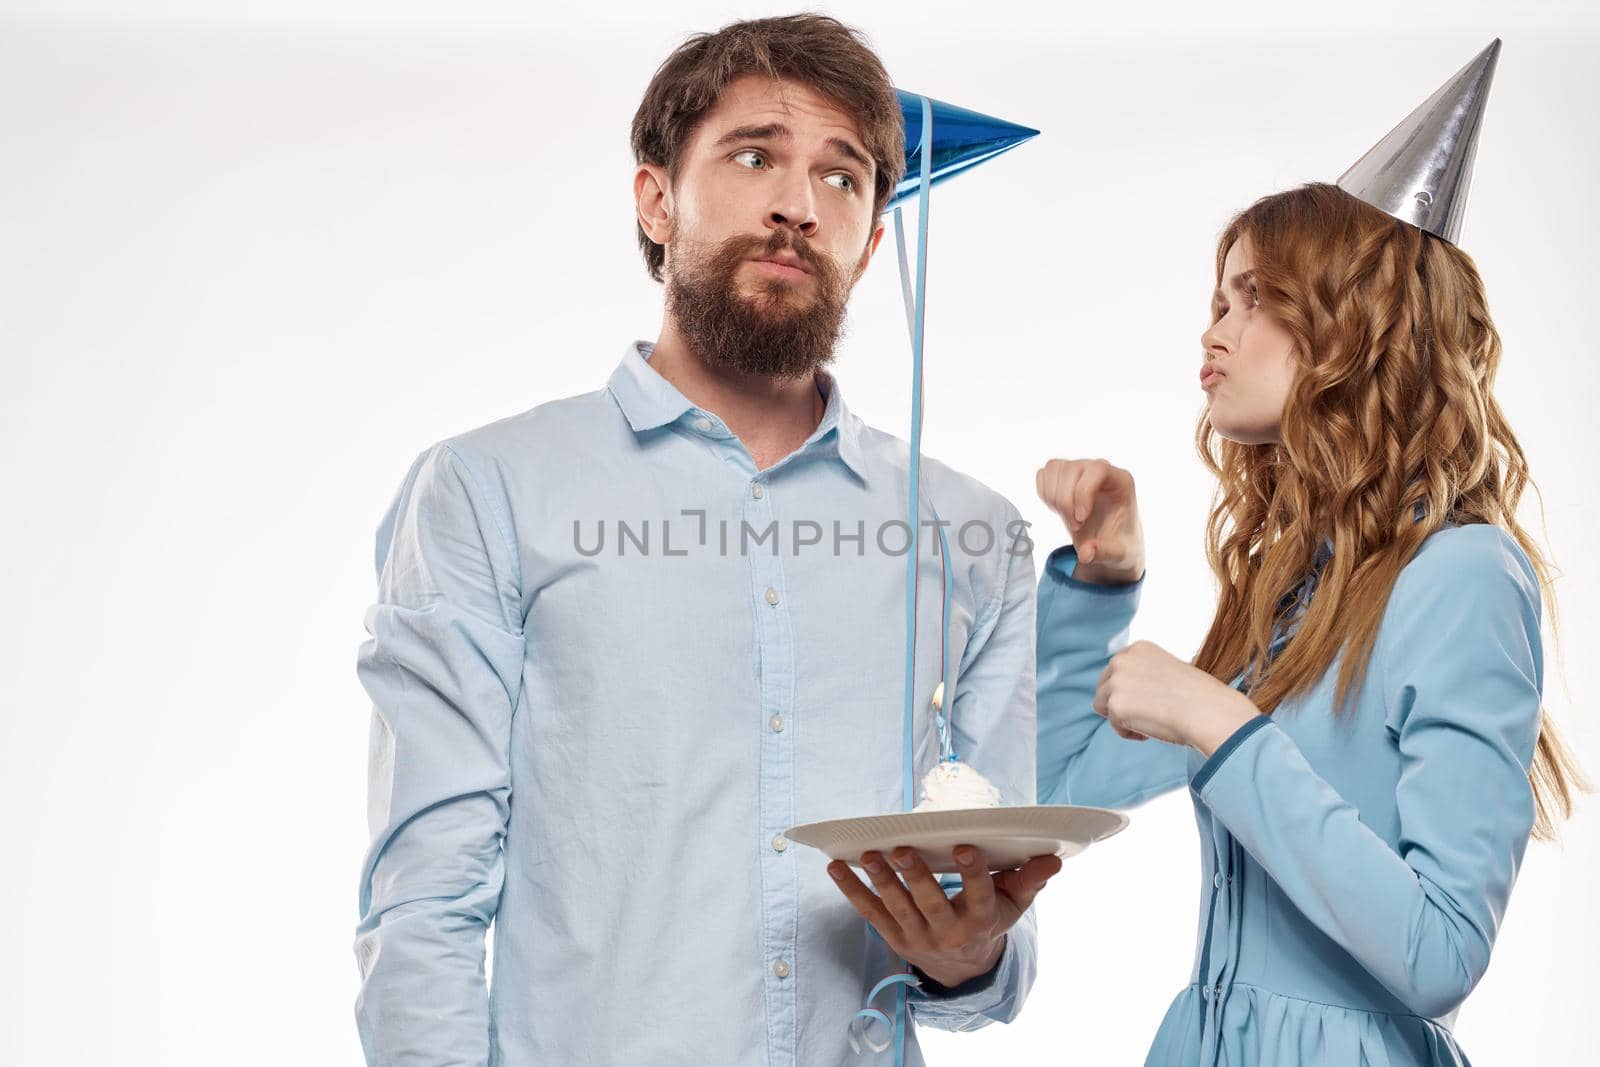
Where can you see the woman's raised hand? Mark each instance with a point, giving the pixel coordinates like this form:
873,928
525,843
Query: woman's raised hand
1096,501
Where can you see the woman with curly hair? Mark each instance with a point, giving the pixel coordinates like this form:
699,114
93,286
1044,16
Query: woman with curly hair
1366,763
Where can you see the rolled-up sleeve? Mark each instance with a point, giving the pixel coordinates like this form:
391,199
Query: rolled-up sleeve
993,721
1459,659
443,668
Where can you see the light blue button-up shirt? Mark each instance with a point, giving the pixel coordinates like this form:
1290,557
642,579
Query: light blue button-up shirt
610,663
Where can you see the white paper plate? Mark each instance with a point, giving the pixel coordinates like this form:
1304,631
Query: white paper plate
1007,836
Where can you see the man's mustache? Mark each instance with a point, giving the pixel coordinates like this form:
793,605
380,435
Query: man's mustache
736,250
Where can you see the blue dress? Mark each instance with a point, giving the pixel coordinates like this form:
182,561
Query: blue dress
1356,867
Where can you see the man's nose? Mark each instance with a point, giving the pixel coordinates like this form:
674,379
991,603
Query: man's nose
793,207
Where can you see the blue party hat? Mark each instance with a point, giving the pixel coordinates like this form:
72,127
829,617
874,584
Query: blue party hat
961,139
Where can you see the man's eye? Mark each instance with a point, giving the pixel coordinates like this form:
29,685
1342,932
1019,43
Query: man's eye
751,152
849,185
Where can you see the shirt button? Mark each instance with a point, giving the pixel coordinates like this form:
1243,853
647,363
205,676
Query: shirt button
772,595
780,843
781,968
756,491
1205,992
1216,879
776,722
702,424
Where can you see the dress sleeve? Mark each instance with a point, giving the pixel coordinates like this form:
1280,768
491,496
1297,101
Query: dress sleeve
443,668
1081,760
1460,663
992,716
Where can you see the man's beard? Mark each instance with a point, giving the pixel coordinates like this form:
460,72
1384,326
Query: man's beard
781,332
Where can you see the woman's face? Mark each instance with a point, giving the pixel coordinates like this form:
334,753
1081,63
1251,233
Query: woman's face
1249,358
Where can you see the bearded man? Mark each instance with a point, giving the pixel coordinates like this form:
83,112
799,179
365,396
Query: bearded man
623,640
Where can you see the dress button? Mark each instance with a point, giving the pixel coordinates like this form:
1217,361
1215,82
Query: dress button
756,491
780,843
772,595
702,424
1216,879
776,722
781,968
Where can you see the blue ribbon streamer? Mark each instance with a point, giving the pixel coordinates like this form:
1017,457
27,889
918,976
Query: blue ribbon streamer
859,1034
918,317
908,762
915,319
945,716
915,304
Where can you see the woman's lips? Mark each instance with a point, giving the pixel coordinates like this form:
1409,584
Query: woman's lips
1210,378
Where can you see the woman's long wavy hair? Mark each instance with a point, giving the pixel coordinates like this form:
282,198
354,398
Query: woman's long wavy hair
1391,405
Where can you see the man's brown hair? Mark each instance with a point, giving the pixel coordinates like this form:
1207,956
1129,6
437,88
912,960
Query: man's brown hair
815,50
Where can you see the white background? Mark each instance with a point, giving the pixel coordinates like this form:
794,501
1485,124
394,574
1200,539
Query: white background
253,257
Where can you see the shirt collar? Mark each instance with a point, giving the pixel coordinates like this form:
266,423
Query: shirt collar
649,401
1325,550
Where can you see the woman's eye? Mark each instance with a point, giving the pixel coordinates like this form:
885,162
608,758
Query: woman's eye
752,153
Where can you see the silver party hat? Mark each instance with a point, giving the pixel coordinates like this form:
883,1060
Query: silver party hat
1421,170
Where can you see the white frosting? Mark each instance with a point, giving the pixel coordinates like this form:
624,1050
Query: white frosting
952,785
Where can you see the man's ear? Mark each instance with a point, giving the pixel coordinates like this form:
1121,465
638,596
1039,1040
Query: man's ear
652,195
871,249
